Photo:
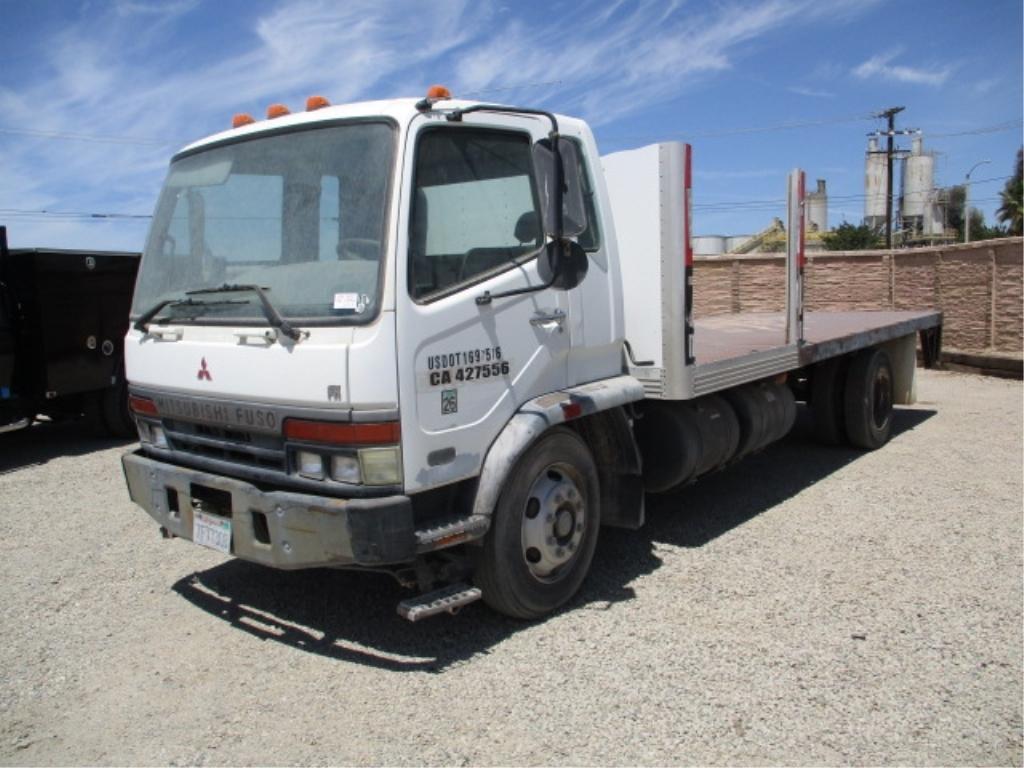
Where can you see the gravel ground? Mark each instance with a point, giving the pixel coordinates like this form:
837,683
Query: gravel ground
808,606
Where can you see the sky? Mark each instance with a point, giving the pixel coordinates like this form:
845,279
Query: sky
95,96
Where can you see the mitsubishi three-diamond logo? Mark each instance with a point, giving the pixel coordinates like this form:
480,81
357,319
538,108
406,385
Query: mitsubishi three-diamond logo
204,372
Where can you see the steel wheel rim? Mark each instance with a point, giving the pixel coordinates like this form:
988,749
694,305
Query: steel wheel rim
554,523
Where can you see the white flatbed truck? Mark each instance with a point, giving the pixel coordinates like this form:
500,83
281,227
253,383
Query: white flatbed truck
449,341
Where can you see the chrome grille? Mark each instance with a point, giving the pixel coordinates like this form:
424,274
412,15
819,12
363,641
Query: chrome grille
227,444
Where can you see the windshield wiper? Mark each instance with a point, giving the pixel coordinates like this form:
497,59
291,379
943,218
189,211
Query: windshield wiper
269,311
149,314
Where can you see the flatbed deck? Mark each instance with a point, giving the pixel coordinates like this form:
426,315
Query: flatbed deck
734,349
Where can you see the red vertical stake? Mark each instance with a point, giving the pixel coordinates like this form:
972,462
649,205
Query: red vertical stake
802,260
688,248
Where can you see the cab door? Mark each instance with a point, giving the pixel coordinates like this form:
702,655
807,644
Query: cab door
473,230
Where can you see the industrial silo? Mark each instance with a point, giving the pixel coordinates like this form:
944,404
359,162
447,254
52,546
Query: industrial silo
918,181
876,164
708,245
817,209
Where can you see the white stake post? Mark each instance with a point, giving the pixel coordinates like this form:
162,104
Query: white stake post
795,258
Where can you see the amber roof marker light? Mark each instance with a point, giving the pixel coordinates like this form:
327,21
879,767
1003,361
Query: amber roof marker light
434,93
242,118
277,110
316,102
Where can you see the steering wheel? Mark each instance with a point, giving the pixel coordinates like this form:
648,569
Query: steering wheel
358,249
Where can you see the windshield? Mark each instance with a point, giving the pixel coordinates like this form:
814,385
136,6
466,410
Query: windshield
300,214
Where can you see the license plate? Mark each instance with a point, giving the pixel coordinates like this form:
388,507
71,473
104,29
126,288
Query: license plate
212,531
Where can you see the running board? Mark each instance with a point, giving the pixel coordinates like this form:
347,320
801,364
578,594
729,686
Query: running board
446,600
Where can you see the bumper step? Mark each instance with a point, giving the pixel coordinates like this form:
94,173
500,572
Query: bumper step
446,600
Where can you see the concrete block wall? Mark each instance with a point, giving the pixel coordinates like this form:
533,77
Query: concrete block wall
979,287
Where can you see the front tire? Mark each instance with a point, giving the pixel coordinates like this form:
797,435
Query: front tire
544,530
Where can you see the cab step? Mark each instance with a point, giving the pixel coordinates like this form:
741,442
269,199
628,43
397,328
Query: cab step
451,532
446,600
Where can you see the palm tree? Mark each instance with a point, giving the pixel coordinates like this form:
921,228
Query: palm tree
1011,212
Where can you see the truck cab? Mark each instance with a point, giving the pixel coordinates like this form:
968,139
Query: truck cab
321,353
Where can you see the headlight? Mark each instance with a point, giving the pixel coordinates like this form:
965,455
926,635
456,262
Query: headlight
345,468
309,464
381,466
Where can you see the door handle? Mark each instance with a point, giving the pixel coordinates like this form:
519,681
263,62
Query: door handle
548,318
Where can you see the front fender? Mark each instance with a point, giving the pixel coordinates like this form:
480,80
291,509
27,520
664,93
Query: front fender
536,417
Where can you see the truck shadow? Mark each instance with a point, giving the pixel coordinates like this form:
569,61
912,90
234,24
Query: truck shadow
48,440
350,616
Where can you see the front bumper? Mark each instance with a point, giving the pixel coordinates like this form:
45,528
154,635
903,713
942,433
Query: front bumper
281,529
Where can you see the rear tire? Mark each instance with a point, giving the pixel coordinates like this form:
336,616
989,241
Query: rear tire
869,399
544,530
827,402
750,417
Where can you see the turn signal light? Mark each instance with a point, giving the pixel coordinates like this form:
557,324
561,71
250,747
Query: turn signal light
277,110
142,405
438,92
316,102
380,433
242,119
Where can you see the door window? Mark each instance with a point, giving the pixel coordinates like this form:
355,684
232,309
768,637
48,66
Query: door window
474,209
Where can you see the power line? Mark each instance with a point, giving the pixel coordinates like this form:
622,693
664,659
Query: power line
769,203
751,129
714,206
84,137
21,212
997,128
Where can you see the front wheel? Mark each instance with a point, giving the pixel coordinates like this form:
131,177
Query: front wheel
544,531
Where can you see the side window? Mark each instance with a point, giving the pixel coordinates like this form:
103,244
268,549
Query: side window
590,238
474,209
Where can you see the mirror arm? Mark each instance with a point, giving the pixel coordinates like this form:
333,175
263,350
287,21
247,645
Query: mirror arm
455,116
487,297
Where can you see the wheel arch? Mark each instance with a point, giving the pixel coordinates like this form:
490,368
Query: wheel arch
594,411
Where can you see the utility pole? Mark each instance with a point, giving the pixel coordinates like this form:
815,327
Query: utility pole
967,197
889,114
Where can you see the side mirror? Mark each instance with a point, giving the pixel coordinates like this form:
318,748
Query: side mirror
564,263
574,215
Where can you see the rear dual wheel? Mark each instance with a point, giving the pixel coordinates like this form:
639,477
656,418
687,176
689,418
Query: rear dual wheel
868,400
852,398
544,530
828,410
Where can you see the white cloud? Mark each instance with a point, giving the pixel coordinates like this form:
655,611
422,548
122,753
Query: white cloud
135,68
987,85
880,66
631,56
812,92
